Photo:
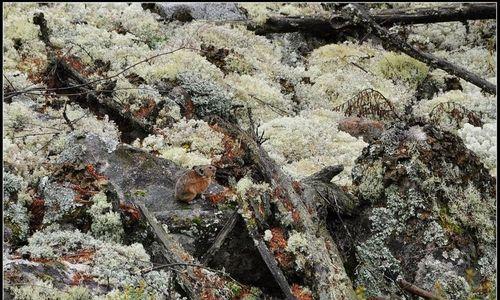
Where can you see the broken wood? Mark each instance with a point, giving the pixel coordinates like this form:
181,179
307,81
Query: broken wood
359,16
321,26
449,13
326,174
221,237
415,290
268,258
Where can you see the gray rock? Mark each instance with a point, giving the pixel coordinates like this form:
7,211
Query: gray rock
137,175
186,11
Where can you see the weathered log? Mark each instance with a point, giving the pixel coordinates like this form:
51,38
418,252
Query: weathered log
358,15
322,26
326,273
171,252
450,13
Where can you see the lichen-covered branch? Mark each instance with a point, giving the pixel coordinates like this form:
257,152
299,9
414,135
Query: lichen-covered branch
359,16
385,17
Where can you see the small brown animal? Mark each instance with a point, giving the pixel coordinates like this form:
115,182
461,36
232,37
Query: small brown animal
194,182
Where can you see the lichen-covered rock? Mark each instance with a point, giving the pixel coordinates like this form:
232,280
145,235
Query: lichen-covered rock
200,11
425,195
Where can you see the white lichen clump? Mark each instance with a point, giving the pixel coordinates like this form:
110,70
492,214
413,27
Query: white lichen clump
483,141
311,141
187,143
106,224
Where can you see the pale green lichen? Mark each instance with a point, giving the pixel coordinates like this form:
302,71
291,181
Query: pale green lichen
483,105
106,224
371,185
375,261
483,141
58,200
208,97
403,68
440,277
435,234
471,209
297,242
52,242
12,183
186,159
17,219
46,290
246,186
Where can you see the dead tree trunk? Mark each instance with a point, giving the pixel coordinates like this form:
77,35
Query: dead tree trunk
324,268
383,17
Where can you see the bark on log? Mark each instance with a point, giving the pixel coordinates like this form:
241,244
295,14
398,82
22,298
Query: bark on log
386,17
359,16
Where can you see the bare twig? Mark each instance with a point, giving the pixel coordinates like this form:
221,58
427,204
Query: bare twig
65,116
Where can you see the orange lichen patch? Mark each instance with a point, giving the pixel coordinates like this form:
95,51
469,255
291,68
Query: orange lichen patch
208,294
300,293
289,206
34,67
91,170
189,108
82,194
187,258
297,186
220,197
278,241
277,246
232,147
144,111
81,256
285,260
77,64
295,216
131,211
79,278
37,212
41,260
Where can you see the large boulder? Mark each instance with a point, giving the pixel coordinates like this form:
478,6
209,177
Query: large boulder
426,215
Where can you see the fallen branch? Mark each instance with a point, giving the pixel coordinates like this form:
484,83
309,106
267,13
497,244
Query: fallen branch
359,16
450,13
415,290
221,237
321,26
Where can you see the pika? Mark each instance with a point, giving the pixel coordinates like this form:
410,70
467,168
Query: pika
194,182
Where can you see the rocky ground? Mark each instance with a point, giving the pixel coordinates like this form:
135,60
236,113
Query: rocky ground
345,170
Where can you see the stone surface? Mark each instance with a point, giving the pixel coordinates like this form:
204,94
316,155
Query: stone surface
426,213
186,11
